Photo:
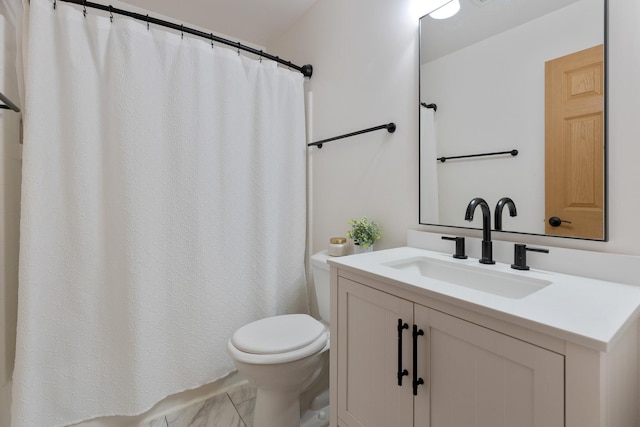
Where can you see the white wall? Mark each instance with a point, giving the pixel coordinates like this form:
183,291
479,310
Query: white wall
365,55
500,107
10,178
366,73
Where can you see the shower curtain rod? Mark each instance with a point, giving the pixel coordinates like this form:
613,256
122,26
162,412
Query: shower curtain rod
306,70
432,106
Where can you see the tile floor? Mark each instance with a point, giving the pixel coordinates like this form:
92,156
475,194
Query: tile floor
231,409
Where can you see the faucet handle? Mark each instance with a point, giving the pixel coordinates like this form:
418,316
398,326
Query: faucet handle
460,252
520,256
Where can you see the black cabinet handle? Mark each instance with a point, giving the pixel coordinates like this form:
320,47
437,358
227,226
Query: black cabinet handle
401,372
416,381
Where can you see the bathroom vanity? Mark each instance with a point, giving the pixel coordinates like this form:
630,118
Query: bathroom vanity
421,339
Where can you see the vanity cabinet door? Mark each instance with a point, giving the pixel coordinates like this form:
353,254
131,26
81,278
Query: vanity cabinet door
368,391
478,377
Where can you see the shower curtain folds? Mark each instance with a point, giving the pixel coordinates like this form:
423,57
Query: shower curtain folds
163,206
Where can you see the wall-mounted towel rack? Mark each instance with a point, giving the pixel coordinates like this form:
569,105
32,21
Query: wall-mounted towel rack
432,106
8,105
390,127
512,152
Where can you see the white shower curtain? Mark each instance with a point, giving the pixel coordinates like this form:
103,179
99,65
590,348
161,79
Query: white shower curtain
429,206
163,207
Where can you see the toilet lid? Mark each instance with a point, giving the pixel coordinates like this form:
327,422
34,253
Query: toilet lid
278,334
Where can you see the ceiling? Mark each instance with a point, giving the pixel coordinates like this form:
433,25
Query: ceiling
253,21
478,20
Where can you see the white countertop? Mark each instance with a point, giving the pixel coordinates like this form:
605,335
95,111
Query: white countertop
585,311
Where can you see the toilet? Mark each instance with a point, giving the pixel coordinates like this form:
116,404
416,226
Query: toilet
282,356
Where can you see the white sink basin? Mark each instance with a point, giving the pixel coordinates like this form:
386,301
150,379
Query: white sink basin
471,276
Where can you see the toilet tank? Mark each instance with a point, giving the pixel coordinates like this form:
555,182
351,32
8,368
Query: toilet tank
320,271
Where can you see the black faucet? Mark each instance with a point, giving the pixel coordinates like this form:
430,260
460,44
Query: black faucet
497,214
487,246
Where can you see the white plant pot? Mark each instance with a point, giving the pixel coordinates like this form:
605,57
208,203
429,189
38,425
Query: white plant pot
357,249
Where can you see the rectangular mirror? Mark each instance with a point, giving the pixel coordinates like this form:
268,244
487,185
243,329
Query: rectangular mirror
526,79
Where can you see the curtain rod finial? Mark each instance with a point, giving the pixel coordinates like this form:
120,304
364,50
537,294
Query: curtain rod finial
307,70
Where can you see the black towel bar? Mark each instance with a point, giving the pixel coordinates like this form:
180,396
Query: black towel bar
390,127
512,152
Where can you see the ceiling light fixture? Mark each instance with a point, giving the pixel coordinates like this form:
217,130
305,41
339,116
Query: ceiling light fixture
447,10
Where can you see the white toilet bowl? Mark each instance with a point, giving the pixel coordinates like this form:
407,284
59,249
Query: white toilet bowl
283,355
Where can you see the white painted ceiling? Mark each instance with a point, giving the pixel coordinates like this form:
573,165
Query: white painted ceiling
478,20
253,21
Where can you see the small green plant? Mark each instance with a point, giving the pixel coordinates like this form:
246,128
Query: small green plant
364,232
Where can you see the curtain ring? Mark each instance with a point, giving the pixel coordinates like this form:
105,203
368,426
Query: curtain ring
54,4
261,56
211,40
84,8
182,31
111,13
239,48
147,22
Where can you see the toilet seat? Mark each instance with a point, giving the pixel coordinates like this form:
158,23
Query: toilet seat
278,339
277,334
